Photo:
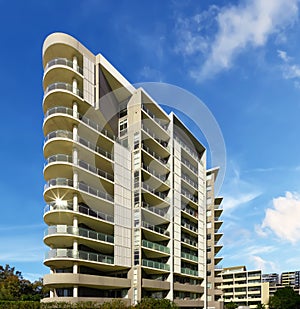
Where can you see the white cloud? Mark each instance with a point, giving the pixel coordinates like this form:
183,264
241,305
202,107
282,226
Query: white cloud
239,27
283,218
264,265
231,202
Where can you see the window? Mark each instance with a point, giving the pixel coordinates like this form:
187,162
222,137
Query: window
123,127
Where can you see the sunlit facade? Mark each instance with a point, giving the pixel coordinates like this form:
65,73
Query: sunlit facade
125,187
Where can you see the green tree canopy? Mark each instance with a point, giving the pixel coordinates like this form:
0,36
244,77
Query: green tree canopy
285,298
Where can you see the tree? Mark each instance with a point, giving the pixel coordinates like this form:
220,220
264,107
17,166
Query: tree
231,305
260,306
14,287
285,298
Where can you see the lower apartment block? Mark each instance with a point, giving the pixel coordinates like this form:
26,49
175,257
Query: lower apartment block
245,288
126,189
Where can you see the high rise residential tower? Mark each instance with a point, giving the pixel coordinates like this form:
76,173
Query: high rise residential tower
126,187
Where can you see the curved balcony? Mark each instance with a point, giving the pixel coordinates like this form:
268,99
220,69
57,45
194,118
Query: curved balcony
63,86
68,135
78,231
62,158
64,182
81,118
78,255
63,62
84,210
154,246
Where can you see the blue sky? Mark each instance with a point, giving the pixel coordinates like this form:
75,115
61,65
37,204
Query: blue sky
239,57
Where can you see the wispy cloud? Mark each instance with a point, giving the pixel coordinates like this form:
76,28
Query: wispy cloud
283,218
237,191
290,70
263,264
238,28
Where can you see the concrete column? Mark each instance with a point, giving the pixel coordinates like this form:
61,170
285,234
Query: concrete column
75,222
75,245
75,109
51,294
74,86
75,202
75,291
75,179
75,63
75,156
75,133
75,268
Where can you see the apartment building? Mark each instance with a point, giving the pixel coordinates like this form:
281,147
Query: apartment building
243,287
126,187
213,213
273,279
291,278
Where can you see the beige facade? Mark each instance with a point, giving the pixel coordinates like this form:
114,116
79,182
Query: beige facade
243,287
125,187
214,235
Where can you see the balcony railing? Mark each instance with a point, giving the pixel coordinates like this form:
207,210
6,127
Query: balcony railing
155,246
189,241
157,120
63,229
84,119
190,211
189,271
192,152
80,140
156,174
189,256
158,139
162,195
83,210
81,255
156,156
189,196
189,180
155,228
162,212
189,165
154,264
64,61
81,163
64,86
81,186
189,226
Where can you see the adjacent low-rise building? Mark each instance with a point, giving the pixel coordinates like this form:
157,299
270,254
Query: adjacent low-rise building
244,287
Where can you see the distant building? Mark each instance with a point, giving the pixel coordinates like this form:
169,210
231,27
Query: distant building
245,288
273,279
